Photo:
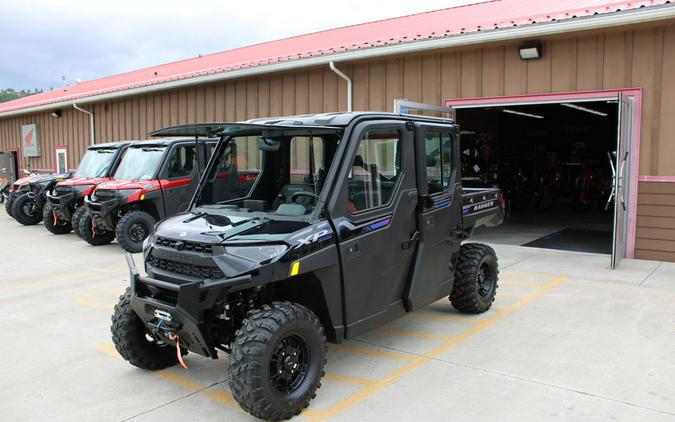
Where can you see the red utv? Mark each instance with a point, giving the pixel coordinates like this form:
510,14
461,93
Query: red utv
64,208
153,180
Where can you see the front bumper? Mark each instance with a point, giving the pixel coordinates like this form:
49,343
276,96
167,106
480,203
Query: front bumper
63,205
102,212
185,303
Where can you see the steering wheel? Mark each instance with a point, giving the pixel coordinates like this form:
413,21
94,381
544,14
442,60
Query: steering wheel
311,195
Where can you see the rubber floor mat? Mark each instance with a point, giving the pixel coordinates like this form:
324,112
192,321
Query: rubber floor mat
577,240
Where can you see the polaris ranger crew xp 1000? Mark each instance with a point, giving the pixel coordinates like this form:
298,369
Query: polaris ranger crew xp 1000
353,219
65,202
153,180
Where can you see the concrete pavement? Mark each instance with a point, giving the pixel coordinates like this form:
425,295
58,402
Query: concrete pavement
567,339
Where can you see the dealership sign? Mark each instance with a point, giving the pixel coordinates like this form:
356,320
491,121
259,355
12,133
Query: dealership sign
30,138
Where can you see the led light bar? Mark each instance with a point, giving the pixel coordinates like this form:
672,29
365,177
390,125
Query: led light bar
520,113
587,110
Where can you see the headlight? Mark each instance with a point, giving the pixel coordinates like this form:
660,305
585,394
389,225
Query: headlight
126,192
148,240
256,253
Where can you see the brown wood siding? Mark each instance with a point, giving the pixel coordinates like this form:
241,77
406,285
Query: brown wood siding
640,57
655,231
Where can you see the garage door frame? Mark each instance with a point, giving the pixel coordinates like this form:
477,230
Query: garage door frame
580,96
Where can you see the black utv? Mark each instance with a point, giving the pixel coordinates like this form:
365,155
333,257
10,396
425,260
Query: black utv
65,202
353,220
28,204
154,179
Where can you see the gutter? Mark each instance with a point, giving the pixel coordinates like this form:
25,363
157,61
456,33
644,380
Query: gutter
92,141
349,84
628,17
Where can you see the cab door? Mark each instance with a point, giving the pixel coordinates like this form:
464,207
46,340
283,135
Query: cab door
179,178
439,215
373,212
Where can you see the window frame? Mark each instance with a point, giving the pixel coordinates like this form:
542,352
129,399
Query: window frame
453,169
172,151
398,127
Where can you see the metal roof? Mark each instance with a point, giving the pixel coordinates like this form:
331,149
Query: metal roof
495,16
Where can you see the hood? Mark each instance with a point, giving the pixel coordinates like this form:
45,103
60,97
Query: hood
214,228
48,178
129,184
83,181
25,180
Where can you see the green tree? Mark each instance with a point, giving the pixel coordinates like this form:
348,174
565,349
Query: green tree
10,94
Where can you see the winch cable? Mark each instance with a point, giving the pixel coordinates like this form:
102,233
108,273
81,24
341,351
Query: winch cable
179,355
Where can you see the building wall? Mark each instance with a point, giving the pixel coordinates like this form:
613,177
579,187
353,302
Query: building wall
640,57
655,235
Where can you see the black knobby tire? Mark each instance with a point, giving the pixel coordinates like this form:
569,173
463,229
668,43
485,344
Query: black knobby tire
61,227
101,237
25,212
8,206
259,348
132,229
76,218
133,341
476,279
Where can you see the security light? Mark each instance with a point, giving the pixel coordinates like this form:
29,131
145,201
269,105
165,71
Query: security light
56,114
530,50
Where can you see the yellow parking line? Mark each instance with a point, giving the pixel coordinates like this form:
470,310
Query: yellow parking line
322,415
524,274
510,294
86,298
426,314
410,333
368,352
223,397
520,283
330,376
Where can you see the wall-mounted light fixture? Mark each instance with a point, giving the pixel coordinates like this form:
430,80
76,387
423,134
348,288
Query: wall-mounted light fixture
56,114
530,50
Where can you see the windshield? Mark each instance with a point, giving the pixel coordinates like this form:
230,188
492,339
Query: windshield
140,163
282,175
96,163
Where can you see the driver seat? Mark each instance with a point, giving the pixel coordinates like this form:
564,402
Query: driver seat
287,191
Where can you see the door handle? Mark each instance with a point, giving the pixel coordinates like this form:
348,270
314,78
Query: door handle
414,238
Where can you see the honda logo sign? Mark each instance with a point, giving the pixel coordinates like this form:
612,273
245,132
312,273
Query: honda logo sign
30,139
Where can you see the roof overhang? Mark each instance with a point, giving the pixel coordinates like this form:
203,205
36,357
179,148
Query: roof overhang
585,23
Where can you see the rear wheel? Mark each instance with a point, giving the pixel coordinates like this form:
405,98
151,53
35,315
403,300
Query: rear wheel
53,224
76,218
8,205
476,279
135,343
132,229
277,361
25,211
96,237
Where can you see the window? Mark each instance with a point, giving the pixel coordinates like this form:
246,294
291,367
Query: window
236,170
307,162
375,170
438,150
182,161
61,160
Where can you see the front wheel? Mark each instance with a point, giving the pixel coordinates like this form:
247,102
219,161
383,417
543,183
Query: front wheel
25,211
76,218
277,361
8,205
135,343
95,237
476,276
132,229
52,223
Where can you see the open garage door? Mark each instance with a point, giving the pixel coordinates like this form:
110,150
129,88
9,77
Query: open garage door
621,181
563,162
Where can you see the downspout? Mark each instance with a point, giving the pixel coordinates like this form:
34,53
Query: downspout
349,84
91,122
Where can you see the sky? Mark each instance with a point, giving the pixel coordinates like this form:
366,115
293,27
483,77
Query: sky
43,41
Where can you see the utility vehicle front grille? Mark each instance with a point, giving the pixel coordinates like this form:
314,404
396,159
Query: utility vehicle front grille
63,190
181,245
199,271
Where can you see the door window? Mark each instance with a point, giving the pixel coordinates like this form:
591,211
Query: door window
61,160
438,150
376,169
182,161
